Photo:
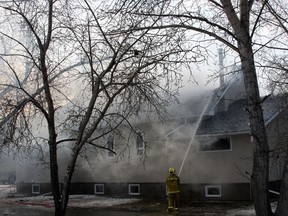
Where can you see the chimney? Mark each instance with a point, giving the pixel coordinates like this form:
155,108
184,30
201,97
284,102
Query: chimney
221,67
221,100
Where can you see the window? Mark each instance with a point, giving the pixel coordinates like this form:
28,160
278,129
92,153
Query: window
98,188
35,188
110,145
134,189
215,144
213,191
140,145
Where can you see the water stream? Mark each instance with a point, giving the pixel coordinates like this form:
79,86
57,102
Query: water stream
193,135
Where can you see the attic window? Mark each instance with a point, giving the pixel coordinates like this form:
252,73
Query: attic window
215,144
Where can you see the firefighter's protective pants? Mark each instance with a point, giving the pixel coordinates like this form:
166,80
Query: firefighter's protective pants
173,201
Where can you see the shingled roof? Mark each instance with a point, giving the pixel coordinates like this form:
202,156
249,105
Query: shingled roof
235,119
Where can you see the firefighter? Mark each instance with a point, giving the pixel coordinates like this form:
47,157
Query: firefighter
173,190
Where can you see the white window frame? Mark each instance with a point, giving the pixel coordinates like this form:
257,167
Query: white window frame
110,140
133,185
220,150
140,150
33,190
207,187
99,192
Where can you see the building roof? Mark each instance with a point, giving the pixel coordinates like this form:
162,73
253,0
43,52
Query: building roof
223,110
235,119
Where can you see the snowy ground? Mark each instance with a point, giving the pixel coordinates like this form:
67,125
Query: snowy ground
93,201
6,189
79,201
247,210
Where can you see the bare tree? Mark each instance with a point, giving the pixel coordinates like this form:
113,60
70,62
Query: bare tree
255,31
276,69
82,74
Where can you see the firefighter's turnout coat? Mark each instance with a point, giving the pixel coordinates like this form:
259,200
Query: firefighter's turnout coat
173,191
173,183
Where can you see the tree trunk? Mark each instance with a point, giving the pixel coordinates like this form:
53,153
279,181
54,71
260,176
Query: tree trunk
282,207
67,181
55,180
260,171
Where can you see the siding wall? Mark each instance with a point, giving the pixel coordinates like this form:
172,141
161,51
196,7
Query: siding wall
193,192
228,169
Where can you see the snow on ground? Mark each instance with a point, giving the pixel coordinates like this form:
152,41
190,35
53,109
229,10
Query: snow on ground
89,201
95,201
83,201
6,190
247,211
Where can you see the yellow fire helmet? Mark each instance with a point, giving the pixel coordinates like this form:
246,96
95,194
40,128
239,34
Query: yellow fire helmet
171,170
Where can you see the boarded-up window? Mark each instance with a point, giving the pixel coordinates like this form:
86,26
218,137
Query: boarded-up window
215,144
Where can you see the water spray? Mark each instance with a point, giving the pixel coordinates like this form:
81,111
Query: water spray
193,136
221,67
